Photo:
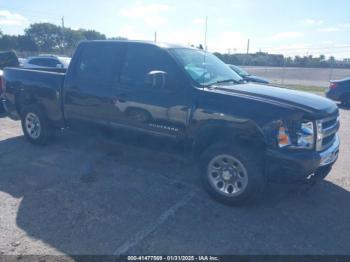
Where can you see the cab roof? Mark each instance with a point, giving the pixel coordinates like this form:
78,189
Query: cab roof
159,44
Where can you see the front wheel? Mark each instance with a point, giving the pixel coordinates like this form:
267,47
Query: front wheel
232,175
35,125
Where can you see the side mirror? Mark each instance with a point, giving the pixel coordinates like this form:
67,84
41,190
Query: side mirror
156,79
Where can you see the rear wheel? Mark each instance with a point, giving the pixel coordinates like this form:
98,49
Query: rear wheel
35,125
232,175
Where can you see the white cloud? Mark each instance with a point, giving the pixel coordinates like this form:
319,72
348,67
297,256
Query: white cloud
198,21
329,29
131,33
225,40
9,18
288,35
313,22
347,25
150,14
328,42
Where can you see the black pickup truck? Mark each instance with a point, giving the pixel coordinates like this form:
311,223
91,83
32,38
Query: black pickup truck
241,135
8,58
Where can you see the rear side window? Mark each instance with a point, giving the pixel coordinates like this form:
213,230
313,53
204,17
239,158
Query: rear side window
99,65
139,61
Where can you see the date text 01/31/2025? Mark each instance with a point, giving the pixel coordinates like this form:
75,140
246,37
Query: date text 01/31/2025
173,258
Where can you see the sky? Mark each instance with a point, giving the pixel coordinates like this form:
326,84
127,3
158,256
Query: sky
309,27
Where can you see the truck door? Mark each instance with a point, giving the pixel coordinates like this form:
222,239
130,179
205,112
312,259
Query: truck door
91,86
159,109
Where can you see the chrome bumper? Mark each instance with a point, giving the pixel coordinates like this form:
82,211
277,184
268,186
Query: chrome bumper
331,154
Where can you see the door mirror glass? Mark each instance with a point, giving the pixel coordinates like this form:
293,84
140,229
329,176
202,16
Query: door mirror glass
156,79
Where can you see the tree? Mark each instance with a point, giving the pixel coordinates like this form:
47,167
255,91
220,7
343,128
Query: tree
72,38
48,37
8,42
26,43
92,35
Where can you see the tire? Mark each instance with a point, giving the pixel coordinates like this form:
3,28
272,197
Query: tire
35,125
240,175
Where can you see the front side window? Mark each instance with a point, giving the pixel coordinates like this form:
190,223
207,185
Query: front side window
203,67
140,61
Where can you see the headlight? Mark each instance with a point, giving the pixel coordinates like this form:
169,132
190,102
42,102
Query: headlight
306,136
302,138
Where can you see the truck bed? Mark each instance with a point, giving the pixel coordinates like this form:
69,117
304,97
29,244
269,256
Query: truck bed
42,87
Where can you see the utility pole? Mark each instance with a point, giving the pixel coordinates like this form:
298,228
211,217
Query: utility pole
155,36
248,46
63,38
205,34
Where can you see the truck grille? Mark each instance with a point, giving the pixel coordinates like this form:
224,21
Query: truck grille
326,132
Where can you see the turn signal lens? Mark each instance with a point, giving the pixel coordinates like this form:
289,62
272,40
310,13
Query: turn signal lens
283,137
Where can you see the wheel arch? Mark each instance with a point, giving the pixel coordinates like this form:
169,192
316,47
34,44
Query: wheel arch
25,99
247,134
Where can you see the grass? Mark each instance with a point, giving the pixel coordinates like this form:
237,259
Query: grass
313,89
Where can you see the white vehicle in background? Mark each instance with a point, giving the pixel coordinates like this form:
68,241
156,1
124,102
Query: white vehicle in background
47,61
21,61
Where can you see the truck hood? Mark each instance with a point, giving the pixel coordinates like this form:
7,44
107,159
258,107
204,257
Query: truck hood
281,96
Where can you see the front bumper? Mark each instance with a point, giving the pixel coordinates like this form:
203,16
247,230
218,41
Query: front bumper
298,165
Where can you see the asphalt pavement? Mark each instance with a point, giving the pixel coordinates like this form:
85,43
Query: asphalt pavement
83,194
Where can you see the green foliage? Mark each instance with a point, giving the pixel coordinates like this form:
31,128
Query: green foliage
92,35
265,59
49,38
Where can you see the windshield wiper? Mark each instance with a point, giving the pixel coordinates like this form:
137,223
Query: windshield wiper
224,81
227,80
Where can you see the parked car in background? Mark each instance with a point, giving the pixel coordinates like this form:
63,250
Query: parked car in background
7,59
339,90
240,134
47,61
21,61
248,77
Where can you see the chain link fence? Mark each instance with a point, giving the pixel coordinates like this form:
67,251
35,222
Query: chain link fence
311,77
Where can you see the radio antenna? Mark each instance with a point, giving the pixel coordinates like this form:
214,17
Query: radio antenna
205,34
205,46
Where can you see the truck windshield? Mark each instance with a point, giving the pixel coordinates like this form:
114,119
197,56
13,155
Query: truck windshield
204,68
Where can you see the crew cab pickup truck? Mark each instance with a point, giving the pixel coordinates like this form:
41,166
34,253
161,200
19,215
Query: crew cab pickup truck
241,135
